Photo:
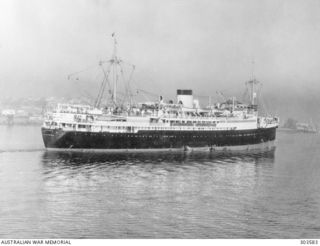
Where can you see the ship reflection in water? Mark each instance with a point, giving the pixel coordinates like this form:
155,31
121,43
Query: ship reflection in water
74,158
156,195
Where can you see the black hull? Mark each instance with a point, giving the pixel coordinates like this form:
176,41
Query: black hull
55,138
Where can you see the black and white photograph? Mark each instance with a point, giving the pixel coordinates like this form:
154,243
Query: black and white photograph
159,119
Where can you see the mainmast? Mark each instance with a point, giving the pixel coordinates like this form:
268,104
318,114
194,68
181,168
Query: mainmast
115,61
253,86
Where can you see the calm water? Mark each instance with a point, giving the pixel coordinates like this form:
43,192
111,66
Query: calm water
270,194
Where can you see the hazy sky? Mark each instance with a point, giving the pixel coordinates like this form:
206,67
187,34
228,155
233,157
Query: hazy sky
206,45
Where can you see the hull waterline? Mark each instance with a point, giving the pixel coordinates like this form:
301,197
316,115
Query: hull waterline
159,140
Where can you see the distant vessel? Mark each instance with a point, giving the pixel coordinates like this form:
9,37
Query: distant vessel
295,126
160,125
306,127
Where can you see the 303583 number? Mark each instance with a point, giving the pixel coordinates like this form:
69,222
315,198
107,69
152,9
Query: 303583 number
312,241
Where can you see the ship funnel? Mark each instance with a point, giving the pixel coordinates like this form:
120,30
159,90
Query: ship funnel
185,98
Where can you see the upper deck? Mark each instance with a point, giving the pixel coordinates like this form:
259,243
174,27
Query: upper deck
86,118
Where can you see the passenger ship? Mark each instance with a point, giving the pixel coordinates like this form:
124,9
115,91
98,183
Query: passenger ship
180,125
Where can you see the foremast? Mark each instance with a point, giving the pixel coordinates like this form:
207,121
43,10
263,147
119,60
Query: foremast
114,72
